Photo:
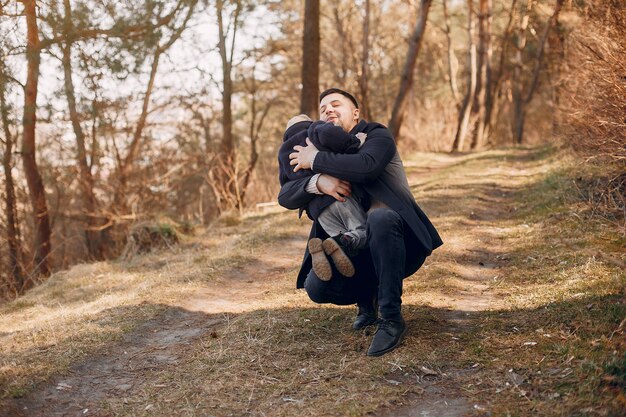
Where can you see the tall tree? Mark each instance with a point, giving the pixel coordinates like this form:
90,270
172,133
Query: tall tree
453,63
466,108
406,82
516,81
365,111
492,101
93,236
310,59
20,282
227,167
521,100
483,71
33,177
261,102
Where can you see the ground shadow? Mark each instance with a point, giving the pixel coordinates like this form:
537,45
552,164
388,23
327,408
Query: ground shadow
308,356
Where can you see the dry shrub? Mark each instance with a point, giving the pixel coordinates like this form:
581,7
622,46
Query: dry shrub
147,236
593,108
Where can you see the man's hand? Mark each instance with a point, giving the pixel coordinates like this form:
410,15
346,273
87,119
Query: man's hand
303,156
334,187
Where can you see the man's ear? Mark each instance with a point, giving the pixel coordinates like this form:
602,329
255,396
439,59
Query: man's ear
355,113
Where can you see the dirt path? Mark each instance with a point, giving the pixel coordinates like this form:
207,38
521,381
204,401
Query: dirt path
160,345
154,346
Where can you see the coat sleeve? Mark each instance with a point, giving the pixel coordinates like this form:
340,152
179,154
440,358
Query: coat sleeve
285,170
361,167
293,194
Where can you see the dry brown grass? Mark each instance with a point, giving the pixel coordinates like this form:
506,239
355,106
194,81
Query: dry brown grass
516,315
592,116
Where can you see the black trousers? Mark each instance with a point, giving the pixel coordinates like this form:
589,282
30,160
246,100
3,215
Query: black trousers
379,270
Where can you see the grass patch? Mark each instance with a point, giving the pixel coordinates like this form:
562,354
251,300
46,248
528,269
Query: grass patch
548,338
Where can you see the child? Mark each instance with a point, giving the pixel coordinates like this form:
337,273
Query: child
343,221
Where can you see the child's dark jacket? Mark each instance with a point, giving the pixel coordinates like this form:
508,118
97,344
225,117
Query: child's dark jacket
325,137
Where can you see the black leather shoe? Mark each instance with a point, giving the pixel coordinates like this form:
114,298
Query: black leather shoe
367,315
388,336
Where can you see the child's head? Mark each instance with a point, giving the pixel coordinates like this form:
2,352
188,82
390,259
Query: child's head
297,119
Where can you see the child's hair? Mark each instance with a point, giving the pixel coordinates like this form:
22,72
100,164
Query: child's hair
297,119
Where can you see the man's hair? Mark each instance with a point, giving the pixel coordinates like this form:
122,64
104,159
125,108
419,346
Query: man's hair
339,91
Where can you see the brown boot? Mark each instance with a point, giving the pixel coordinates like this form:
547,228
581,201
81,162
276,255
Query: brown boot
340,259
321,266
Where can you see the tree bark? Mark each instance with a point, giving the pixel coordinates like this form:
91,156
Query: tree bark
484,72
397,114
453,63
19,281
227,166
86,180
254,130
521,100
493,93
126,164
31,171
488,69
518,105
365,113
530,91
466,108
310,59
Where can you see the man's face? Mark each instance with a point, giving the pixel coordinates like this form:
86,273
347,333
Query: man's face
339,110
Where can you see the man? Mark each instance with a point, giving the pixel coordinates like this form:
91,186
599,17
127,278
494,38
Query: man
399,235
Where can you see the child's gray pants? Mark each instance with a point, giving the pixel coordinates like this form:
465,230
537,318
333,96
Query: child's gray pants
347,218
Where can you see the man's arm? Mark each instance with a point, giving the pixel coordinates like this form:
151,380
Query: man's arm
364,166
294,194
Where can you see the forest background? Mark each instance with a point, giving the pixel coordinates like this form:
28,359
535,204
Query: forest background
126,123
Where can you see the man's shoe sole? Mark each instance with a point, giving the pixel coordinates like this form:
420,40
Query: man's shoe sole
340,259
321,266
389,349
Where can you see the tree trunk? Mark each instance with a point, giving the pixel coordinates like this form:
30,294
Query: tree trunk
530,91
453,63
227,176
254,130
345,46
33,178
466,108
19,280
488,69
493,93
365,112
126,164
518,106
86,181
397,114
521,100
311,59
484,70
